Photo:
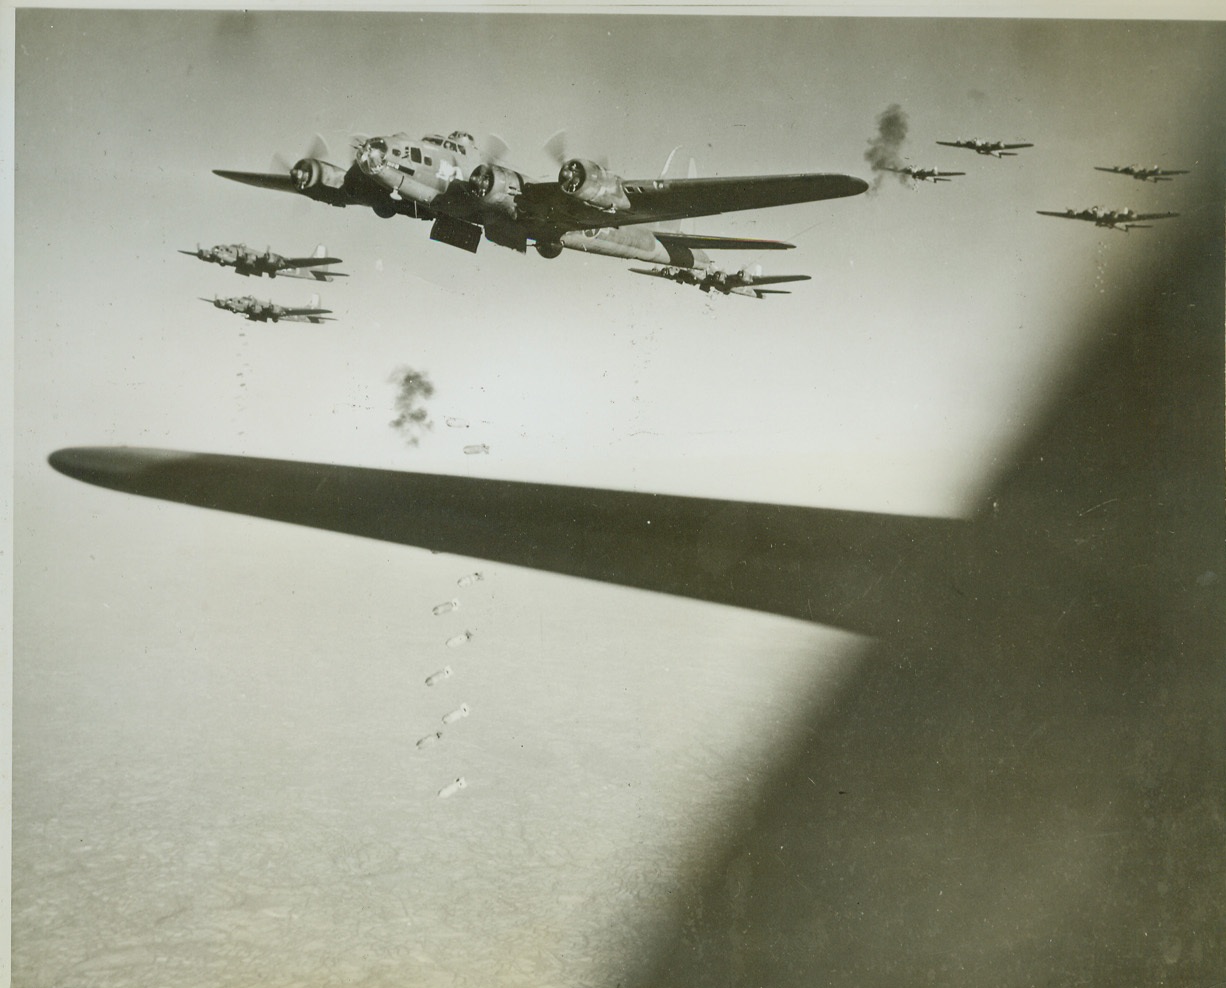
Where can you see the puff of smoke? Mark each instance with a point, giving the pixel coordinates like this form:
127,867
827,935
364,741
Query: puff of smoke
413,390
883,153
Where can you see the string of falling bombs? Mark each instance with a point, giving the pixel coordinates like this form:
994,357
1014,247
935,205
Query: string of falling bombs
472,449
445,673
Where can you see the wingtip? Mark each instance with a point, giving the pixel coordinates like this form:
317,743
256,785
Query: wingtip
110,466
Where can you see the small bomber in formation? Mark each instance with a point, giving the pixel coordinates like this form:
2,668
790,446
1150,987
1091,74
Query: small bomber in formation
467,193
1112,219
246,261
257,311
996,149
925,174
748,281
1151,174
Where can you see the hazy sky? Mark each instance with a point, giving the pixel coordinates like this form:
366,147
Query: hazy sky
216,778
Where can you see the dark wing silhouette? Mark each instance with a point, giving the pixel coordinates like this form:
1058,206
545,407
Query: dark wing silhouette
747,555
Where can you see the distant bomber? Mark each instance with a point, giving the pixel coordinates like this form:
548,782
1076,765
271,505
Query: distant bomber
1152,174
993,148
924,174
748,281
258,311
1112,219
246,262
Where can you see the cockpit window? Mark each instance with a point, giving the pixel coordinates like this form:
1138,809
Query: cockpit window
433,140
449,145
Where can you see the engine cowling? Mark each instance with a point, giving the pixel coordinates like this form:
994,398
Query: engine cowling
498,188
588,182
310,173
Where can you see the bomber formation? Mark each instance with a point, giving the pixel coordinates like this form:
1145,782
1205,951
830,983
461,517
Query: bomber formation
468,194
247,262
884,158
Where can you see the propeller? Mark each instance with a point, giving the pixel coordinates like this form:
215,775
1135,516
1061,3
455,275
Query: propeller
556,147
494,149
318,148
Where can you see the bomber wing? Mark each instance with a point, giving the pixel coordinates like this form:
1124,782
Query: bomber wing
658,200
1150,216
777,279
261,180
696,241
340,187
1065,215
308,262
727,552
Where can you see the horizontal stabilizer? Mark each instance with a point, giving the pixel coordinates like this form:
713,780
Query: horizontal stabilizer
849,569
696,241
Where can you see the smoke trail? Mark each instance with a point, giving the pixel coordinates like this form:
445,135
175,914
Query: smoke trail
883,150
412,418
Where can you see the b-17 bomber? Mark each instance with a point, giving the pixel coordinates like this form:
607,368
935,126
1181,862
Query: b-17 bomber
468,193
995,149
258,311
1112,219
1143,174
925,174
246,261
748,281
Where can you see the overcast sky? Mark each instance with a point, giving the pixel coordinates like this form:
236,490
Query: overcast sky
216,717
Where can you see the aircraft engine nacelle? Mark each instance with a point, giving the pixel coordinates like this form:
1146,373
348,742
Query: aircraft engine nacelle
588,182
310,173
498,188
